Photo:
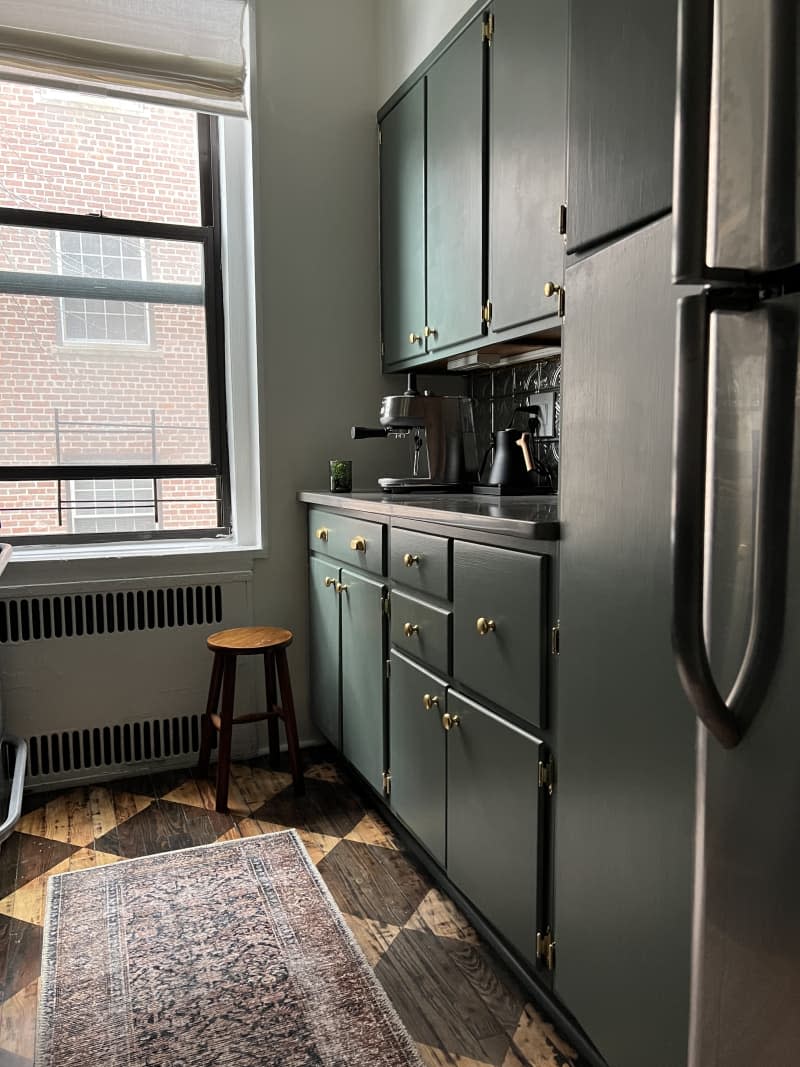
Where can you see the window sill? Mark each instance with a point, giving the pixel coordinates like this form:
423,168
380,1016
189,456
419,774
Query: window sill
205,548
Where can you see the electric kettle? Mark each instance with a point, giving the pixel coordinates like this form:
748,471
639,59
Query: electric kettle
509,466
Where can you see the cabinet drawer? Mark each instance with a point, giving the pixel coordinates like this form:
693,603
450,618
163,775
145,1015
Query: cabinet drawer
421,561
422,630
498,626
357,543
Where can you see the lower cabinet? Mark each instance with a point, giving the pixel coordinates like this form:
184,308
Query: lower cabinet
325,652
466,783
418,750
363,675
348,652
494,819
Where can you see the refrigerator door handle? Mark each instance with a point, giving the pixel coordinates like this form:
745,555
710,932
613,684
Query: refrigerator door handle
692,129
728,719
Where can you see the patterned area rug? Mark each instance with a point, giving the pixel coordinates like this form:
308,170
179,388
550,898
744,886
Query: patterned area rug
228,954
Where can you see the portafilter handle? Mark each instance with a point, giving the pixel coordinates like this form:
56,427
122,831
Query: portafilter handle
358,432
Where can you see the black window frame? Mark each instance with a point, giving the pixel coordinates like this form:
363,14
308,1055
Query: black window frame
209,235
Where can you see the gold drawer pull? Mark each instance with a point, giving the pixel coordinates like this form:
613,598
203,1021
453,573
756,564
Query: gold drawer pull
410,560
359,544
410,628
414,337
329,582
449,722
485,626
340,587
430,702
322,533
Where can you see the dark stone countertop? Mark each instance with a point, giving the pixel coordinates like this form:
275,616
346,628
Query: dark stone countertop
533,517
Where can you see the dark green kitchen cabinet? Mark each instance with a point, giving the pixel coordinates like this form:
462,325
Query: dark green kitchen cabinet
494,820
363,635
527,164
455,194
324,647
403,229
499,613
417,744
622,64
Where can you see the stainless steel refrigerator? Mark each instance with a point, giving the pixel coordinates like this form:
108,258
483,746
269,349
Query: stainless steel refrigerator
677,843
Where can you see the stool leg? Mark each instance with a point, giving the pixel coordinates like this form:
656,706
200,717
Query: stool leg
205,723
272,703
225,730
289,721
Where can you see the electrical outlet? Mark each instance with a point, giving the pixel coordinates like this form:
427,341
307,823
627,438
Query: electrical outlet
544,416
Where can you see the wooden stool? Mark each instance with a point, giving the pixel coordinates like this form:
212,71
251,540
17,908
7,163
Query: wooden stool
270,642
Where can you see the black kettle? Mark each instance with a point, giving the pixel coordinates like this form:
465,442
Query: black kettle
509,467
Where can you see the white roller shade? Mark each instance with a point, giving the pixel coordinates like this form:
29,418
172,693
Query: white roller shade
189,53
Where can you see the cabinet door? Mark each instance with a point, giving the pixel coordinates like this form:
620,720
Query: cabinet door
324,648
363,675
455,193
621,116
417,752
498,626
527,127
493,820
403,228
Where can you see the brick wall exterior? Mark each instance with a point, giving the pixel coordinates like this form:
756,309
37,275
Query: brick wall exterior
98,400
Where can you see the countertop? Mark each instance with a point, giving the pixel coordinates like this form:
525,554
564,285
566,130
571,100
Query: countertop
520,516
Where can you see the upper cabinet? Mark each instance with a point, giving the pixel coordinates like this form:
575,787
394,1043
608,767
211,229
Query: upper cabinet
621,116
403,228
472,180
456,195
527,164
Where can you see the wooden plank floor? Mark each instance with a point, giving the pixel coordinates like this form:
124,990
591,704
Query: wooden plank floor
459,1003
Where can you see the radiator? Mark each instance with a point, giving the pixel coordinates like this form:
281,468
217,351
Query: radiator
110,678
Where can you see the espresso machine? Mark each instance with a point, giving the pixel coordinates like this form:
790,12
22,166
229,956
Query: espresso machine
440,431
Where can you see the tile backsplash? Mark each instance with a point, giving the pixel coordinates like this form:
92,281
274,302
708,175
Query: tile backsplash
496,393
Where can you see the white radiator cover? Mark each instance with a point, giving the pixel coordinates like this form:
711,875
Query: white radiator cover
110,677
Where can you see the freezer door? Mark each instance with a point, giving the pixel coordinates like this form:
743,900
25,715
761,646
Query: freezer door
746,980
737,183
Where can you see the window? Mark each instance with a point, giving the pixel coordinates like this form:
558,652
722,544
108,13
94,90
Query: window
112,406
107,256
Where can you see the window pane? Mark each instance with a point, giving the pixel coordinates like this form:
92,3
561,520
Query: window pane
65,151
74,392
107,505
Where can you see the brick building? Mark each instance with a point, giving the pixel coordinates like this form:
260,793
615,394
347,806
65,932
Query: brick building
100,381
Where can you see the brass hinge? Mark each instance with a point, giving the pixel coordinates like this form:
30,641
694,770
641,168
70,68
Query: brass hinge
380,136
383,350
388,668
562,219
546,949
486,311
387,607
547,775
555,639
387,783
488,29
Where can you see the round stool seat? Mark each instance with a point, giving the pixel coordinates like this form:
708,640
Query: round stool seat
250,640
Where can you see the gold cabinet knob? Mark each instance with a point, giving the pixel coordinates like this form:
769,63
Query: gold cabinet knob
322,533
410,560
329,582
431,331
410,628
340,587
485,626
450,722
551,289
359,544
414,337
429,701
